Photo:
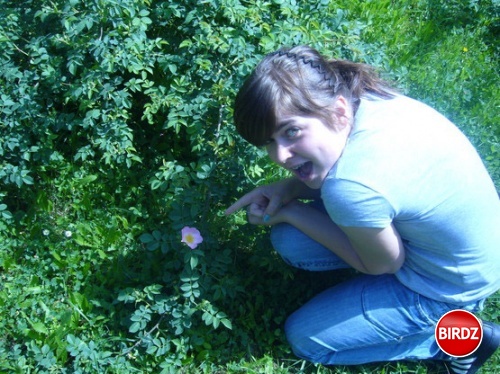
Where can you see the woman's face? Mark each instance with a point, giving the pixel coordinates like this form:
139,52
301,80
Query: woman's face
307,147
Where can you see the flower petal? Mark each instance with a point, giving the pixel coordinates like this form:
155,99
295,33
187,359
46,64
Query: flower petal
191,236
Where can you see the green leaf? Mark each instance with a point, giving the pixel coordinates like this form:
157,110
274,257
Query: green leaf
185,43
136,326
87,180
39,327
227,323
193,261
147,238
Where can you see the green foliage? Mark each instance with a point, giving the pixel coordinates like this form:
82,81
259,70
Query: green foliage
116,132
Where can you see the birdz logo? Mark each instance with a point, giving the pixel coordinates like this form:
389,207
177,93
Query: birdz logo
459,333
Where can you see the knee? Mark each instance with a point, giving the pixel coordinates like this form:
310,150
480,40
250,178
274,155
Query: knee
279,234
296,337
302,343
283,239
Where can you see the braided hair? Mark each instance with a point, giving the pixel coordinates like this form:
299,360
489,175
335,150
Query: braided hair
299,81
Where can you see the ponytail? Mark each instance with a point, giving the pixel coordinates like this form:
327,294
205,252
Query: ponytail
361,79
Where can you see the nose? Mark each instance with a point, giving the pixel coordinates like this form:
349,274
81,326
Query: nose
281,153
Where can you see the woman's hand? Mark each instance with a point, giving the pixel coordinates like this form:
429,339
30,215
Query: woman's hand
265,203
256,215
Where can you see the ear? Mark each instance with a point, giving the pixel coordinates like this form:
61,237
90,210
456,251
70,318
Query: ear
342,111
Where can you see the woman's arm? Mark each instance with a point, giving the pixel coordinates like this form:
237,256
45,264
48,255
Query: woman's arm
369,250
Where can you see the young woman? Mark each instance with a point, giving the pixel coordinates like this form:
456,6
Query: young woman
400,195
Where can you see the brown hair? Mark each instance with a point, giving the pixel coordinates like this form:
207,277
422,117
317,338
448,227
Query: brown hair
299,81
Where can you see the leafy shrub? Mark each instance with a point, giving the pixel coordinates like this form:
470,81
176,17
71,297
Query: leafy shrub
116,132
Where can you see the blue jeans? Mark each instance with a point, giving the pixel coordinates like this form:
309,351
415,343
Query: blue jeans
369,318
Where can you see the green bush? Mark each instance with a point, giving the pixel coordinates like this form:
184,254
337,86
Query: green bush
116,132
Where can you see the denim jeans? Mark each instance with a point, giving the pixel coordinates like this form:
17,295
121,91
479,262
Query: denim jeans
369,318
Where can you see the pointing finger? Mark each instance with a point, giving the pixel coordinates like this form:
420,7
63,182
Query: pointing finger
240,203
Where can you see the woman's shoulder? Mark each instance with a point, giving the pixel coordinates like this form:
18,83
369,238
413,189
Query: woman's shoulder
397,102
400,114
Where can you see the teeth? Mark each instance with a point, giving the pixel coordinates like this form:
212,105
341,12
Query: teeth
297,167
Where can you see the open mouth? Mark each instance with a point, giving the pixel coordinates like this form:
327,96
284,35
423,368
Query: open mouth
304,170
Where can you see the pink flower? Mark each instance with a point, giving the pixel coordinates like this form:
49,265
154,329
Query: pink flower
191,236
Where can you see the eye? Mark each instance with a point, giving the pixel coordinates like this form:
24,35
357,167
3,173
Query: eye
292,132
267,143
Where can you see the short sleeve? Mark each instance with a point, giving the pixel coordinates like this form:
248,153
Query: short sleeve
352,204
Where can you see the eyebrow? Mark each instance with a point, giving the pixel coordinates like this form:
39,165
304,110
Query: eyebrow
284,123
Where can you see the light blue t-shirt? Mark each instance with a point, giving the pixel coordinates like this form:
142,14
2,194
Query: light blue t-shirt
406,164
